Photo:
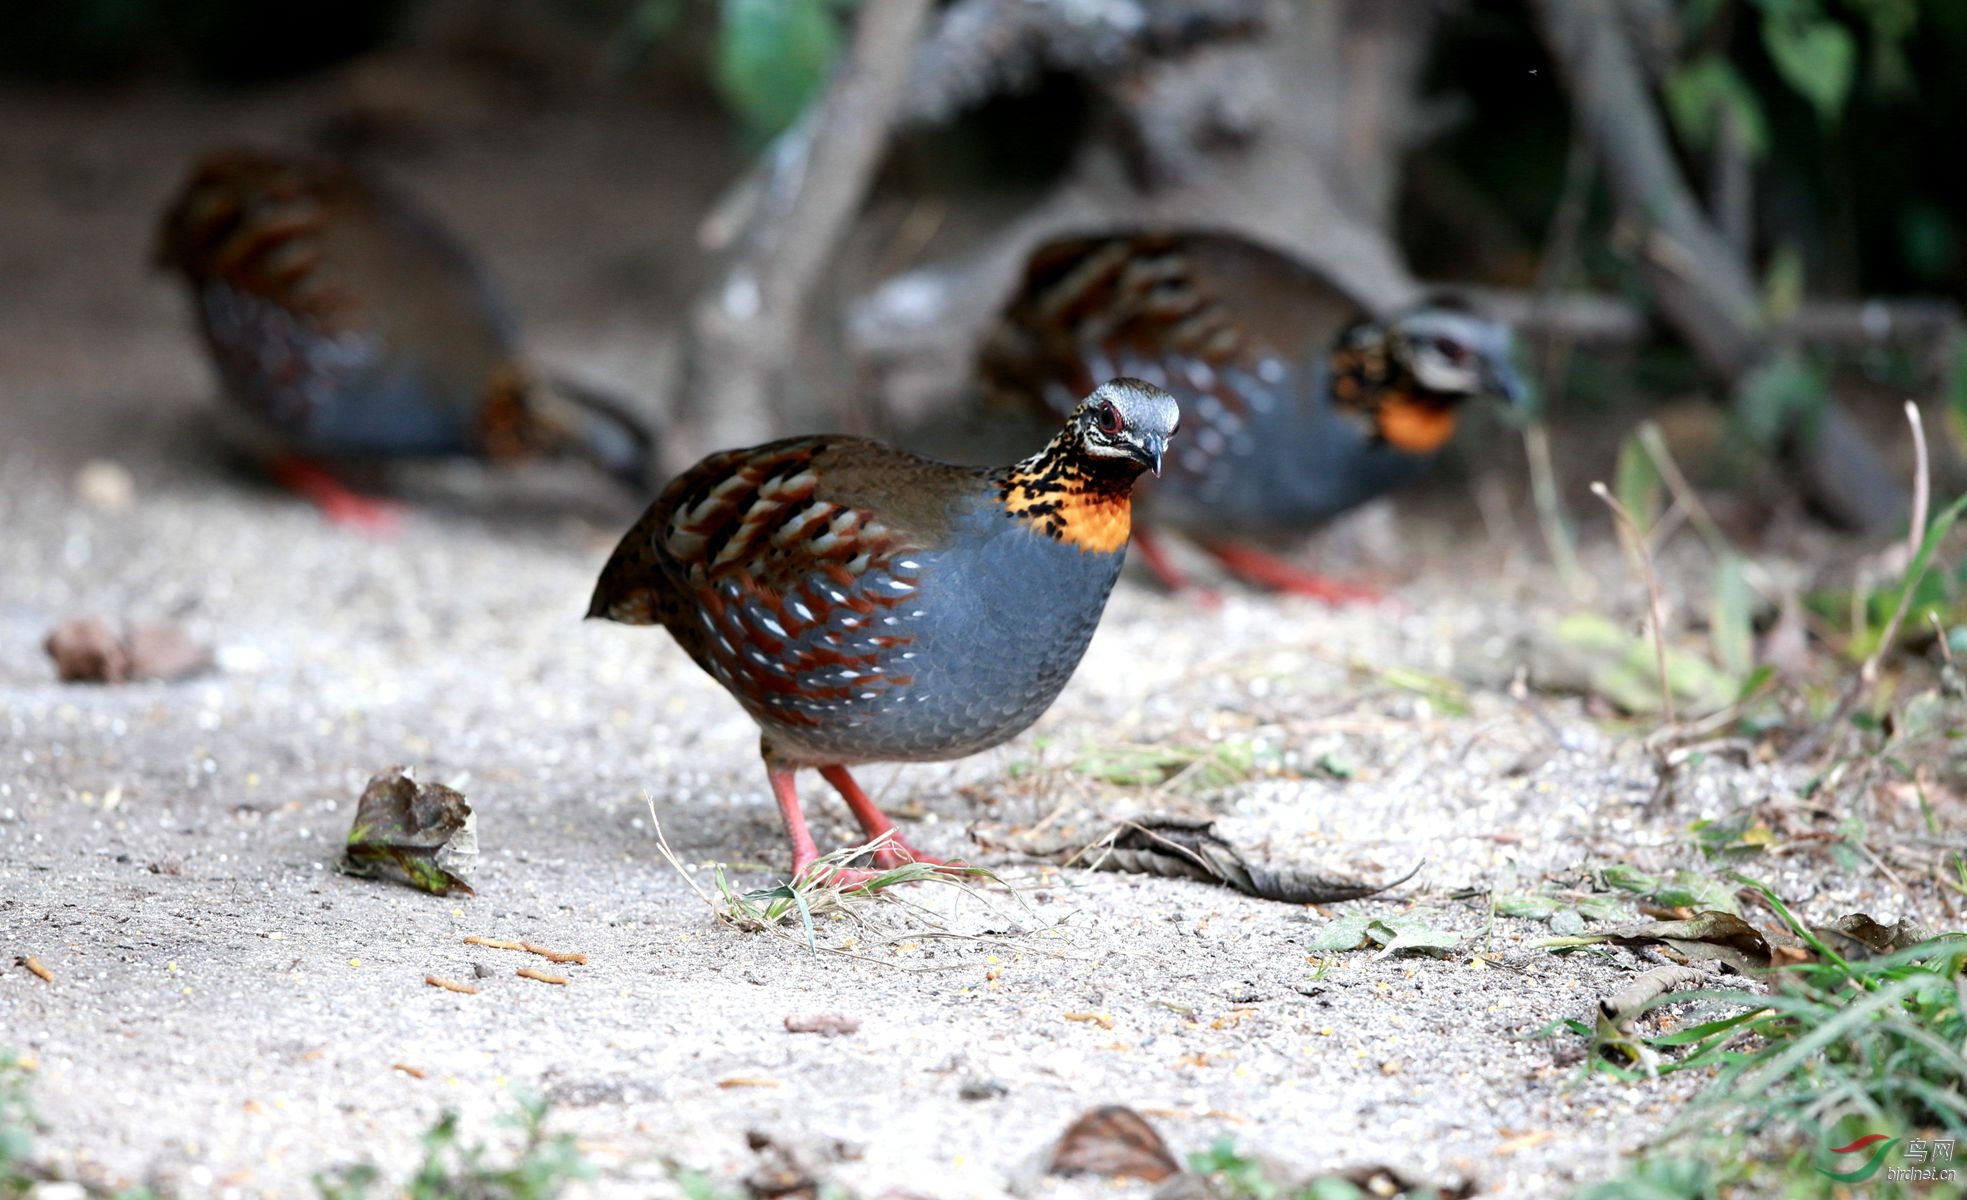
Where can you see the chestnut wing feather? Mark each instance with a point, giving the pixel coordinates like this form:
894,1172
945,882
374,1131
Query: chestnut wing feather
775,566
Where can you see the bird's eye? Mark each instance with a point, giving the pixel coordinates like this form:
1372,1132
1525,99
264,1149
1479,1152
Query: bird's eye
1109,418
1452,350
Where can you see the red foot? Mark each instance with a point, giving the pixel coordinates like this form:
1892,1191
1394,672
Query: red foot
1268,571
337,502
1155,558
894,852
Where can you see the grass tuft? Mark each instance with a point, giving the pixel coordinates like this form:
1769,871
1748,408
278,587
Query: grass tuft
17,1128
1838,1048
456,1169
815,892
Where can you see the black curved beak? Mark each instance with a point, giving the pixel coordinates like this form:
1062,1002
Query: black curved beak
1148,451
1502,381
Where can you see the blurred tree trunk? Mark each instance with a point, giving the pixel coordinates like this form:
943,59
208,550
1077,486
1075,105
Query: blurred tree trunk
1700,281
745,330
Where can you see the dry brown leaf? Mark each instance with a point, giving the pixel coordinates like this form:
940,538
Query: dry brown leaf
86,650
1189,848
1706,936
824,1024
423,833
1115,1142
1860,936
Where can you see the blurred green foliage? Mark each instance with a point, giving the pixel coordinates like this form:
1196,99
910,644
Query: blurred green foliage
772,57
1707,90
1813,52
542,1167
1847,111
17,1126
766,59
1789,387
1933,592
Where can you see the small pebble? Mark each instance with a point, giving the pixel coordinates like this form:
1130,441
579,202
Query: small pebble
982,1089
105,485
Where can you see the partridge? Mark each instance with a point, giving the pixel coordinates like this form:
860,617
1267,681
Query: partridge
865,604
347,326
1303,406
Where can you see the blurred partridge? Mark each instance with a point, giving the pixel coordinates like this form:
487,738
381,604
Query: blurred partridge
348,327
1300,406
867,605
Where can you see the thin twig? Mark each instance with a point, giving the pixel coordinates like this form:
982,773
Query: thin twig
723,917
1550,509
1926,324
669,856
1891,876
1867,676
1560,253
1922,484
1653,442
1637,541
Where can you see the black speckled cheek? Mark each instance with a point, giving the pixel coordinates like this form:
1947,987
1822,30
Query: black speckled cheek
991,637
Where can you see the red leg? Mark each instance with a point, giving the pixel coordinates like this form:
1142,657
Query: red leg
1155,558
1268,571
896,851
804,852
336,502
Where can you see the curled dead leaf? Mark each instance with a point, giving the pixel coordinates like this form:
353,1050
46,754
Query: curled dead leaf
424,833
1860,936
1705,937
1189,848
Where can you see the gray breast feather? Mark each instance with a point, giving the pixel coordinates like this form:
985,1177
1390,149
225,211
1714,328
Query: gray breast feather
994,633
1310,463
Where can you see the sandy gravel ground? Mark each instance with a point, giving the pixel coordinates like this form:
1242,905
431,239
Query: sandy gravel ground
230,1015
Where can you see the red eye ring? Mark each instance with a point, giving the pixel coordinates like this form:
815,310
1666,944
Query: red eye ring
1109,418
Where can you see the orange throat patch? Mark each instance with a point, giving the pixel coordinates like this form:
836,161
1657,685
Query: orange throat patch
1414,427
1063,502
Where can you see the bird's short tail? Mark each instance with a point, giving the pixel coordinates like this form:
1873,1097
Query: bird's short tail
602,428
